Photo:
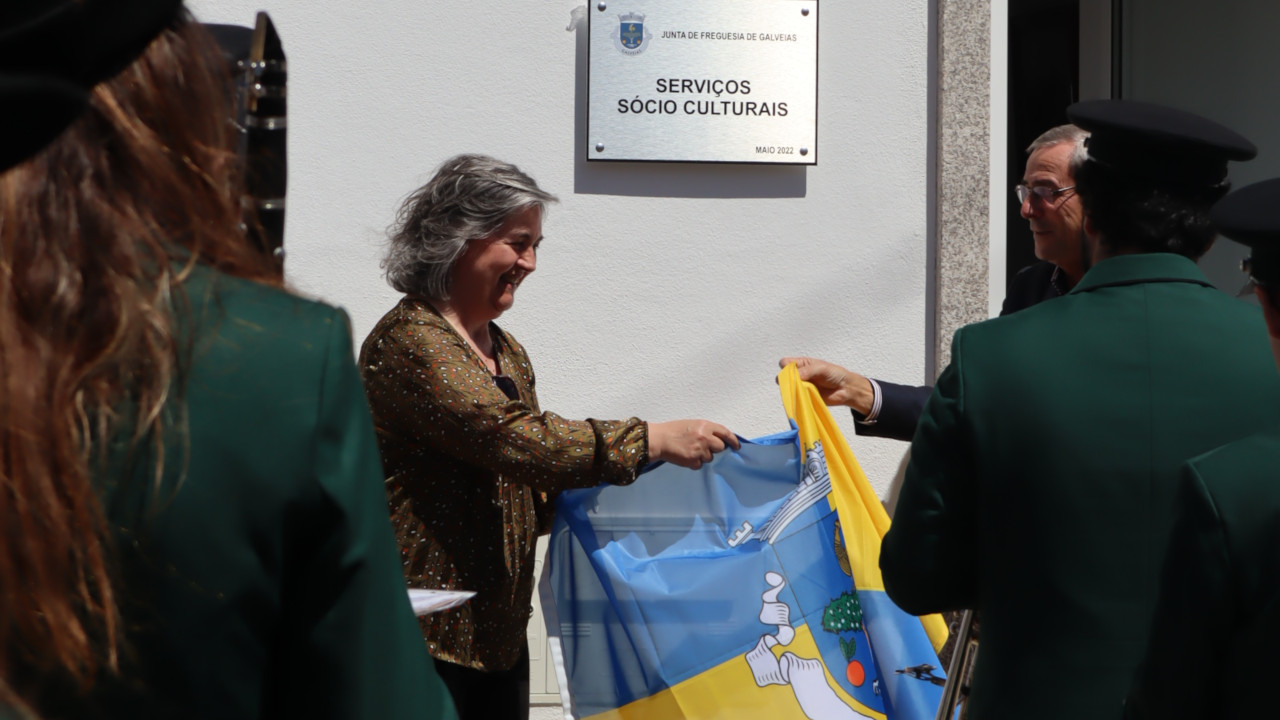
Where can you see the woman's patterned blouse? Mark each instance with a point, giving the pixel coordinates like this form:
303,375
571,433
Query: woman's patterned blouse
472,473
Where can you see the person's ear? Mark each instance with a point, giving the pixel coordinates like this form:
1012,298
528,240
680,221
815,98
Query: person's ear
1090,230
1092,244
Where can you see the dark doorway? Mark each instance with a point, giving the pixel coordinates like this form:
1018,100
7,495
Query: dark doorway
1044,78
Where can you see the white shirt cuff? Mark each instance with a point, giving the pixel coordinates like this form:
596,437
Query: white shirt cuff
876,399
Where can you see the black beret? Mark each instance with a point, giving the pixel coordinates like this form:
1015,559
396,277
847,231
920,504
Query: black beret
1251,215
52,54
1159,143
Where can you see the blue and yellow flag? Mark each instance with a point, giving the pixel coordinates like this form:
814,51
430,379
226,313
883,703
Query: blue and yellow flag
748,589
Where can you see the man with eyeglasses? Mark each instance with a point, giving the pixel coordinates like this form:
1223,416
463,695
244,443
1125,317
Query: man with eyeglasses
1218,617
1042,476
1051,207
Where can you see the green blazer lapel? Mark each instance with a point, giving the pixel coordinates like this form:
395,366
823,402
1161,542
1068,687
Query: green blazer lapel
1141,268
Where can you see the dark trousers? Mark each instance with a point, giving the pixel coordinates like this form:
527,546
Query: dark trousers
483,695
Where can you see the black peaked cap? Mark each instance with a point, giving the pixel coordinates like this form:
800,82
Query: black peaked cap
52,54
1251,215
1159,143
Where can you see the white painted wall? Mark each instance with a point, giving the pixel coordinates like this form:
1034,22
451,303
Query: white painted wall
662,291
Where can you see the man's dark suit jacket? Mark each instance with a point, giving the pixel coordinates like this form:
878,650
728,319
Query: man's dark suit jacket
901,405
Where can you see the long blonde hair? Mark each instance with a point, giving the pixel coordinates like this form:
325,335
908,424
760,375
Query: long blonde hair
97,234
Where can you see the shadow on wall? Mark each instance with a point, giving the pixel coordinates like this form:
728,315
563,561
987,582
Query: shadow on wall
661,179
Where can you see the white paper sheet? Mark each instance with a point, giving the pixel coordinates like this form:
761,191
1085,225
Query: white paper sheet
426,602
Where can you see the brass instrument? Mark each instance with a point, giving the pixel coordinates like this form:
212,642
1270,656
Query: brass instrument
955,693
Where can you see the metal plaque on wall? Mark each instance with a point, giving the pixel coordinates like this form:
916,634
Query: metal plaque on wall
732,81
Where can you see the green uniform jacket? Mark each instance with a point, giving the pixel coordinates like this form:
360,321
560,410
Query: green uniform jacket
265,583
1213,641
1042,474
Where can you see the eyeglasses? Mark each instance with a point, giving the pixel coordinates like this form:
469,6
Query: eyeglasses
1046,194
1246,266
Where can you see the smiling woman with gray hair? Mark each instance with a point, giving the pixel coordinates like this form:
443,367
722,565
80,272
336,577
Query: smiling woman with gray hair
473,464
468,199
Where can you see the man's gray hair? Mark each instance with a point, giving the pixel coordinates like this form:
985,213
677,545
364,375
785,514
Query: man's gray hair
468,198
1064,134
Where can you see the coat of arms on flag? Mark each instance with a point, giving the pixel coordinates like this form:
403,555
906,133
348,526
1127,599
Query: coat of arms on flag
630,37
747,589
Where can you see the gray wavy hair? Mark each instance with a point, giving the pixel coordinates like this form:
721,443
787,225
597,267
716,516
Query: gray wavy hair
468,198
1064,134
